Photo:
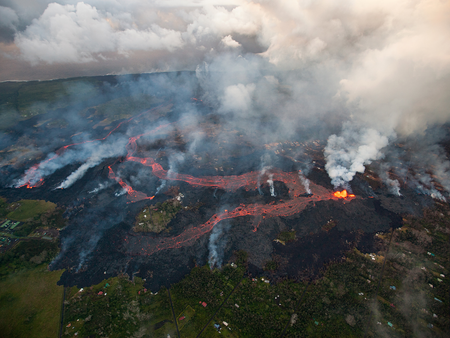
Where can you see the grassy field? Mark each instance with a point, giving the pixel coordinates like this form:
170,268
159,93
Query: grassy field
30,304
26,209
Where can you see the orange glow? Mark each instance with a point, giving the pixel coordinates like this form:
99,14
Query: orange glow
342,194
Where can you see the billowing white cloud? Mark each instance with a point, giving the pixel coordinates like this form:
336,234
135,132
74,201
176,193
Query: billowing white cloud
229,42
8,18
80,33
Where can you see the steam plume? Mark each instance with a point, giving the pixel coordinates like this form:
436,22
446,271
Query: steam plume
271,186
217,242
348,153
305,182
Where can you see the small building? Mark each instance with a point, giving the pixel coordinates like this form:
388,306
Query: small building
181,318
100,293
225,323
203,304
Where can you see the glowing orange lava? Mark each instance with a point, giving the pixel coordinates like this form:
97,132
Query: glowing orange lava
299,196
342,194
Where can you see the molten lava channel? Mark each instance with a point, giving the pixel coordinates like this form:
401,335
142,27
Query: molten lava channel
299,196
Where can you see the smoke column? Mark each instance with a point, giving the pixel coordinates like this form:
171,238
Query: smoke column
216,245
305,182
348,153
272,188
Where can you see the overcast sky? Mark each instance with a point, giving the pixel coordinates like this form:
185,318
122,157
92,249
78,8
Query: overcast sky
40,39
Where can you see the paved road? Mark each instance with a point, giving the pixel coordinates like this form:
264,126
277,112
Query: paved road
173,313
62,312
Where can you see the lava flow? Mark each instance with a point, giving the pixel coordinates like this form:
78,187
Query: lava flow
32,177
299,194
300,198
133,195
342,194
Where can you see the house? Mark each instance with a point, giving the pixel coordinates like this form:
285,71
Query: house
181,318
203,304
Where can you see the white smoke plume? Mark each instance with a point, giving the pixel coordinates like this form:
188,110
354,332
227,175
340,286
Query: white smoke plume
162,185
271,186
175,160
264,169
120,193
394,186
105,150
90,153
100,187
348,153
305,182
216,245
265,160
426,186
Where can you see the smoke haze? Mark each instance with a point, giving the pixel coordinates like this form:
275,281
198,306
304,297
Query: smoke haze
361,75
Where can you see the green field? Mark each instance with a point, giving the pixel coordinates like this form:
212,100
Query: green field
30,304
26,209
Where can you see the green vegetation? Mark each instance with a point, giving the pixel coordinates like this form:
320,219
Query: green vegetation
3,207
203,285
271,265
119,308
31,214
124,107
156,217
24,210
50,219
37,97
338,302
23,100
185,316
30,304
286,236
27,255
412,299
329,225
416,274
241,257
259,309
